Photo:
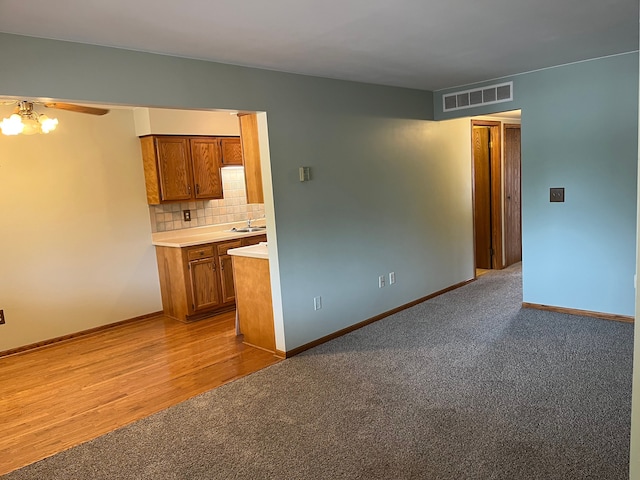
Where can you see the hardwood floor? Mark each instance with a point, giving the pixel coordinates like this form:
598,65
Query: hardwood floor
481,271
64,394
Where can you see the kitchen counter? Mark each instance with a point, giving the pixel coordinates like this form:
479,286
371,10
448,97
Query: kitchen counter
189,237
253,251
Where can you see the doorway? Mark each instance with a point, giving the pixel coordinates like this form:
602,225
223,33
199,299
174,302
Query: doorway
487,194
497,212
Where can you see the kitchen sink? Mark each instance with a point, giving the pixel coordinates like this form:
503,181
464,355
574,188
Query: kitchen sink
248,229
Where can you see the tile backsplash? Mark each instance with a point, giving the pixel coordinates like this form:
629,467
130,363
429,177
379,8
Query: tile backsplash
232,208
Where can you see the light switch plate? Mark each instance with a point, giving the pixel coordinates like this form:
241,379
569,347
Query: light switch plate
305,174
556,194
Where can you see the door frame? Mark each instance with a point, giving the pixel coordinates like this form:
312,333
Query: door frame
495,147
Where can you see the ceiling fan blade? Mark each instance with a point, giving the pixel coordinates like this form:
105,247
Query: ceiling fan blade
77,108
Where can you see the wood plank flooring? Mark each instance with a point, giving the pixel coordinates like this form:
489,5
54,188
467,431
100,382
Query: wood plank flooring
64,394
481,271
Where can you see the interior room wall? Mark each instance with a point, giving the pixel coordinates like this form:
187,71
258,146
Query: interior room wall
581,135
634,464
75,243
163,121
395,198
579,131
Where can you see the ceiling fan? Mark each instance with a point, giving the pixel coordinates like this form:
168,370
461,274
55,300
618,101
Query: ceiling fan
25,120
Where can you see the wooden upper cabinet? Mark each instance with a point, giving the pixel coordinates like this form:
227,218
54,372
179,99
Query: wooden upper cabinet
174,168
167,168
181,168
231,152
251,157
205,155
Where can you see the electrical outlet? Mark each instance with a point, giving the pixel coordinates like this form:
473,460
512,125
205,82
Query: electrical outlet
317,303
2,317
392,278
381,281
186,214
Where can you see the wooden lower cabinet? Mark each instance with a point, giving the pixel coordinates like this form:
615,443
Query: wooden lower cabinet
204,288
256,239
226,270
196,282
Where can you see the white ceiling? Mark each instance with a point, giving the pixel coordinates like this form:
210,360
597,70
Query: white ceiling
425,44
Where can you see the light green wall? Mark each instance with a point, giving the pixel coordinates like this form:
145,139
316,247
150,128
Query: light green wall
634,464
579,131
634,467
390,188
580,126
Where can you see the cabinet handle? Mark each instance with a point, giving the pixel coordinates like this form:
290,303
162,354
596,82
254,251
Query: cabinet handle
189,189
197,189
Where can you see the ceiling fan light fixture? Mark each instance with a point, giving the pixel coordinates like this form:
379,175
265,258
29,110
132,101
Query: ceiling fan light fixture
27,121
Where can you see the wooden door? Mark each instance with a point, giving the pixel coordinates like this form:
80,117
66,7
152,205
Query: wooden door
205,155
482,196
204,284
512,195
231,151
174,168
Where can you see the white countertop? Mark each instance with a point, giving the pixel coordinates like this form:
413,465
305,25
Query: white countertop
189,237
254,251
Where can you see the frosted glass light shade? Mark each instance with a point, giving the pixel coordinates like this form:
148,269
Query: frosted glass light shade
47,124
31,126
12,125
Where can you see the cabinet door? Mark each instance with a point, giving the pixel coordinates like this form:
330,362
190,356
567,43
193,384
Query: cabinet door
251,157
174,168
226,279
205,155
231,151
226,270
204,284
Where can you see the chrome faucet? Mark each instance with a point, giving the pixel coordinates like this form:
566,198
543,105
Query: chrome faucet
249,223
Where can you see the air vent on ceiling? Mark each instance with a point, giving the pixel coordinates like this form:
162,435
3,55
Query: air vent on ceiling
502,92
